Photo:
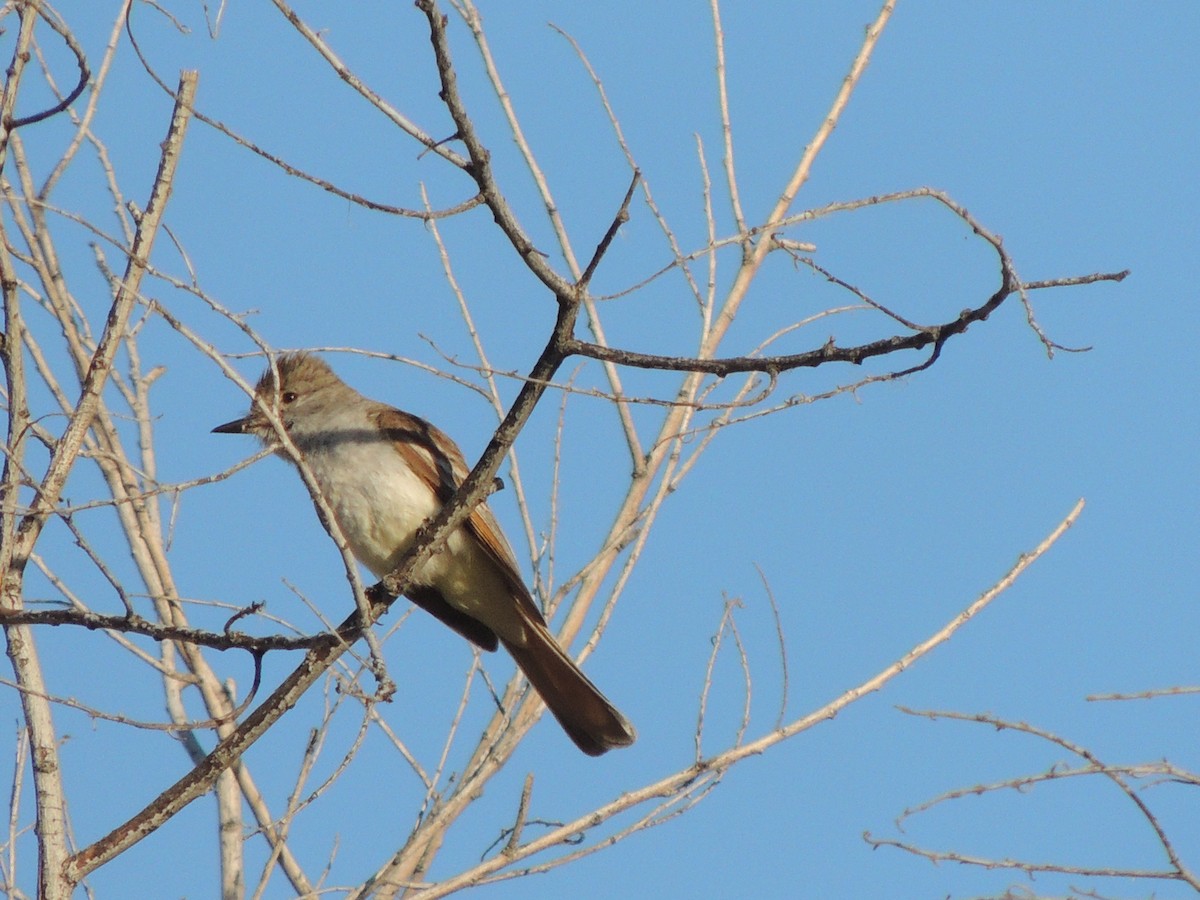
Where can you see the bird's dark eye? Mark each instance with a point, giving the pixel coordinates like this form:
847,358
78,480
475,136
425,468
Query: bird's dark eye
288,397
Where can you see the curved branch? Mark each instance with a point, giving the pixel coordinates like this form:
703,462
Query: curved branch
1121,776
80,62
937,335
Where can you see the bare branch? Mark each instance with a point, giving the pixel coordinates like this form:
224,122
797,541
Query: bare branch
80,62
67,448
80,367
297,172
1118,775
480,166
690,783
619,219
735,198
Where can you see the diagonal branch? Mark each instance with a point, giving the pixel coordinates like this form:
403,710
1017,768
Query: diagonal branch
619,219
329,648
695,777
480,165
63,456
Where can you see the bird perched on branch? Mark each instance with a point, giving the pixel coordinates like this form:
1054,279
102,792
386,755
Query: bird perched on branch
384,473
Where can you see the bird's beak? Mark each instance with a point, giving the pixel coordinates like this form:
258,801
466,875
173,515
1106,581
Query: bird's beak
237,426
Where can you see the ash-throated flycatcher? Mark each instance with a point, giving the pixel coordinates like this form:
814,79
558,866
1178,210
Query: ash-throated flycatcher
384,473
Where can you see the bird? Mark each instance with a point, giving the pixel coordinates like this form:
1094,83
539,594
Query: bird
383,473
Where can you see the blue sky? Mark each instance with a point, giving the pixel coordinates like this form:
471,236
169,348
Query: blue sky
1068,129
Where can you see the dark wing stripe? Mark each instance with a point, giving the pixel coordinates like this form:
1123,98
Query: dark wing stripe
440,464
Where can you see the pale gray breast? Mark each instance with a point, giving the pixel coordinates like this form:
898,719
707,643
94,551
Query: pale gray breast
379,502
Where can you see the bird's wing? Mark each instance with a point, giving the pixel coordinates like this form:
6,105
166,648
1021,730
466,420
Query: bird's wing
437,461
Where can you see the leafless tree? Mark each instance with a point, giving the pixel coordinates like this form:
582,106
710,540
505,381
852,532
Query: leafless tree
79,376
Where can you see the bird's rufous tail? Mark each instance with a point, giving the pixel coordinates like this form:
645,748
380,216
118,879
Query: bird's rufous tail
585,714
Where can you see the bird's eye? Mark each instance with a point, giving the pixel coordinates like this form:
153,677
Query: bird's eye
288,397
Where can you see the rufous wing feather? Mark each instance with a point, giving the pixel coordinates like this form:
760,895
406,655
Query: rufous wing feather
594,724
